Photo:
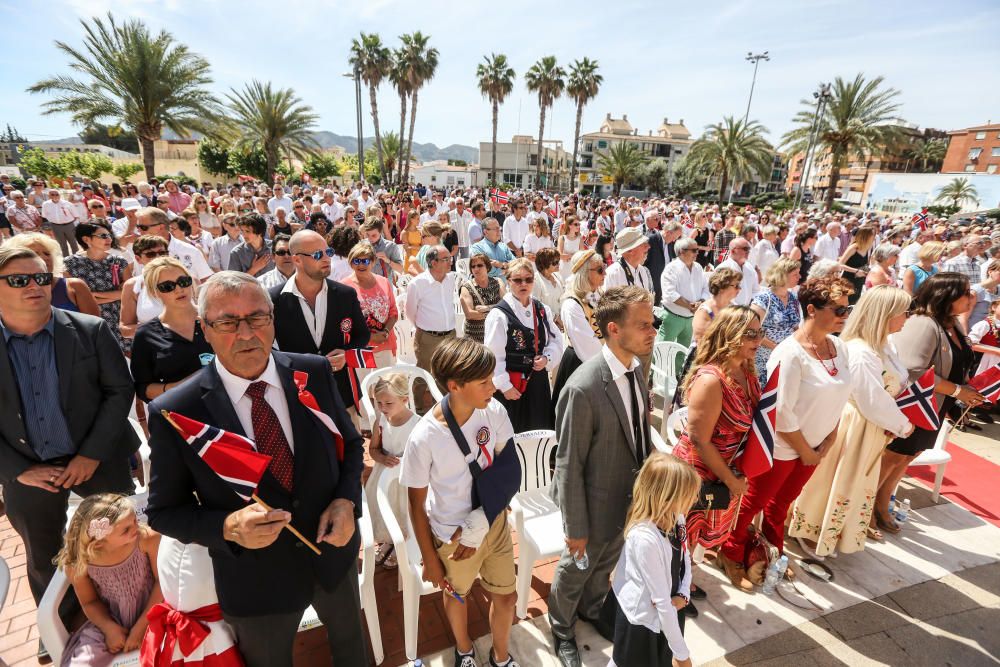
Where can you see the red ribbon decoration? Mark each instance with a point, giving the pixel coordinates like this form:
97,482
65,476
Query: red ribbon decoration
167,626
301,378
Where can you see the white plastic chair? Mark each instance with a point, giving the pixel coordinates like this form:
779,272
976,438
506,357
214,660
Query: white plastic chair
366,579
936,456
536,517
405,334
664,369
408,559
462,267
675,425
412,373
658,442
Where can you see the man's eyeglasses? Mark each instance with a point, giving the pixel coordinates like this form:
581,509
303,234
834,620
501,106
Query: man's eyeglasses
21,280
153,254
282,253
232,324
523,281
318,255
168,286
146,228
361,261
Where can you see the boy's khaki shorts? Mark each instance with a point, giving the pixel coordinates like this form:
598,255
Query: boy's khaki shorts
493,562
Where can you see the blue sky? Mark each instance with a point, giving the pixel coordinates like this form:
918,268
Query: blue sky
680,60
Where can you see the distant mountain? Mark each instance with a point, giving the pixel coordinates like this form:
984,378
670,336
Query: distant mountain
67,140
422,152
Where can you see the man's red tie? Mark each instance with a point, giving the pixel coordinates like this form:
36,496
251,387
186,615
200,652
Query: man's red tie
270,437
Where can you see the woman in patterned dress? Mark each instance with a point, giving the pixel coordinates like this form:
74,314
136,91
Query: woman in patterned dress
834,510
778,310
104,274
721,391
478,296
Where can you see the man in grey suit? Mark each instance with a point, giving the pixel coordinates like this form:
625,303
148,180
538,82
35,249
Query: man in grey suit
65,395
599,455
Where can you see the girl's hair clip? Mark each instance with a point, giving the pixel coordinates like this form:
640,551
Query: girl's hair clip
99,528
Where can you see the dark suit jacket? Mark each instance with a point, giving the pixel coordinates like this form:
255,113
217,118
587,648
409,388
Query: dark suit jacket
292,333
95,395
189,502
655,261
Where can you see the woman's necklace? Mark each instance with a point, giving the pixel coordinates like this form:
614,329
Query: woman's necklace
833,357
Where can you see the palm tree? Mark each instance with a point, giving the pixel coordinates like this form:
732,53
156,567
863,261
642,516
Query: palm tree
391,145
622,163
733,150
419,64
545,78
274,119
136,80
372,61
930,151
397,74
860,118
959,190
496,80
582,86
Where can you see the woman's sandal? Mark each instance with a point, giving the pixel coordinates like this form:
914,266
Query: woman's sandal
874,533
889,526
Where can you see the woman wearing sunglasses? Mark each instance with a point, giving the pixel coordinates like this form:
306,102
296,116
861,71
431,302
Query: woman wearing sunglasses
67,293
140,305
104,274
814,383
169,347
576,313
522,334
478,295
378,305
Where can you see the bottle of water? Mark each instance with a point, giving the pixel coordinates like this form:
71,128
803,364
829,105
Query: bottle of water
904,511
892,504
418,663
782,567
582,561
771,578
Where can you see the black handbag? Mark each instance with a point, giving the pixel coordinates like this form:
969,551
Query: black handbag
494,487
713,495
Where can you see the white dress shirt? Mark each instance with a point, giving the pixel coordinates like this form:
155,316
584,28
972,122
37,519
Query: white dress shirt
495,337
236,387
284,202
515,230
749,286
581,335
615,277
58,212
679,281
533,243
827,247
315,320
763,256
460,223
273,278
618,376
333,211
430,305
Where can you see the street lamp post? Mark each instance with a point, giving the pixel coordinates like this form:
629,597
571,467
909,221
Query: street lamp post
356,75
822,96
754,58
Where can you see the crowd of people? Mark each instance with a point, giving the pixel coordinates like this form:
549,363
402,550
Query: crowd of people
244,307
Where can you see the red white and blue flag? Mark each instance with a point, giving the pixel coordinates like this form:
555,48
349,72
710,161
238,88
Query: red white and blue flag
498,196
920,219
757,456
987,383
917,402
230,456
301,379
361,357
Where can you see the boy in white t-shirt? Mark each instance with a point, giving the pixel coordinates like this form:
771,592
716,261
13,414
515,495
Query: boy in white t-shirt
456,541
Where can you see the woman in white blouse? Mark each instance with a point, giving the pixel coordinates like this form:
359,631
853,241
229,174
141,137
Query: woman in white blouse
577,315
538,238
522,334
834,513
765,252
814,383
549,284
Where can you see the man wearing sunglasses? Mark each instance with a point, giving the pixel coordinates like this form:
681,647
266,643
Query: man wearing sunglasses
51,441
316,315
59,214
156,222
284,266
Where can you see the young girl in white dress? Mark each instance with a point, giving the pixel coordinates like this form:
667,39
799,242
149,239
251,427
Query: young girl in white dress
395,421
570,240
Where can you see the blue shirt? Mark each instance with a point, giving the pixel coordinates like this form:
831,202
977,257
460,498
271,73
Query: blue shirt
496,251
33,359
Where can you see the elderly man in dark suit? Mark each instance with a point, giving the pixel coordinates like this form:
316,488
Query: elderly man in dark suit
65,395
597,461
316,315
661,248
264,576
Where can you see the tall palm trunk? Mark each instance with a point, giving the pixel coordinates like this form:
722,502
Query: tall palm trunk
272,163
722,186
409,141
378,134
538,163
402,126
493,166
576,141
831,192
148,159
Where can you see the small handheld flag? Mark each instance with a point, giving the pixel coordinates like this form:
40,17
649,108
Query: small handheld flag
987,383
757,456
920,219
363,357
498,196
917,402
301,378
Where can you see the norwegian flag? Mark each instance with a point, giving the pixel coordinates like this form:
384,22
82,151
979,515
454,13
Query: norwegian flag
230,456
987,383
757,456
498,196
920,219
362,357
918,403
